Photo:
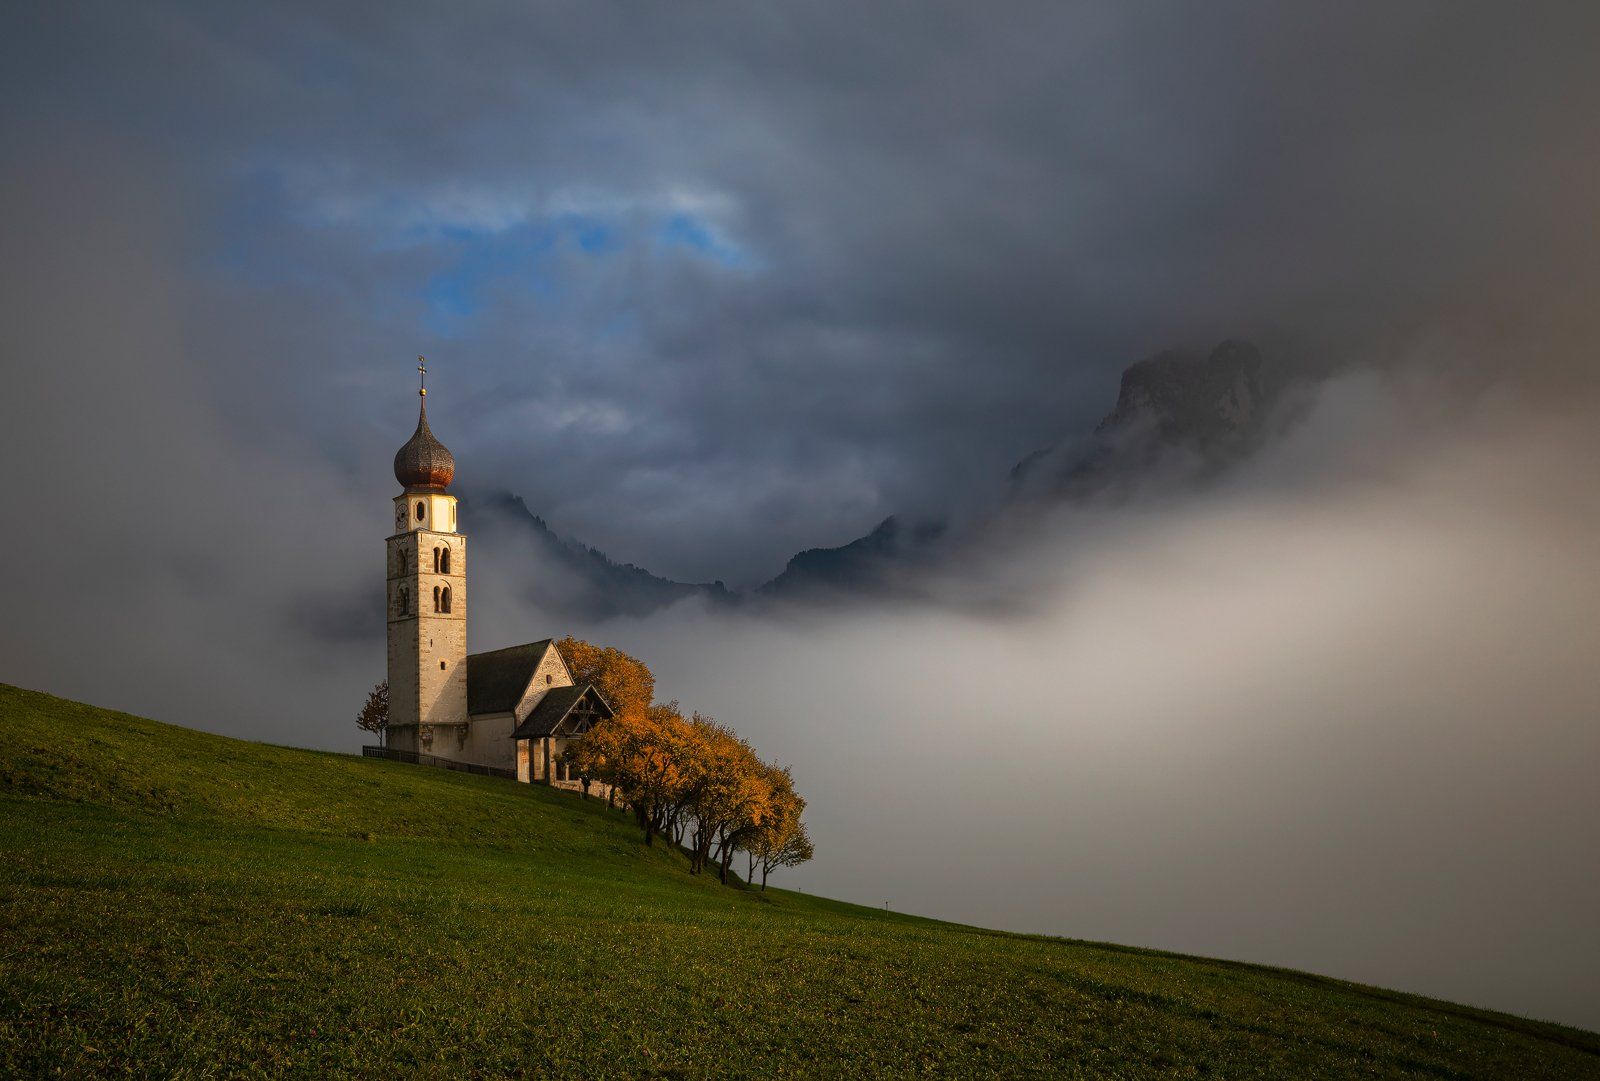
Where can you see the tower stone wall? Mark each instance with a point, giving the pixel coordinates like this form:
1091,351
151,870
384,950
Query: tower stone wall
427,644
427,603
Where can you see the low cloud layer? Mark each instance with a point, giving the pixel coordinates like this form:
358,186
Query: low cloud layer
1344,725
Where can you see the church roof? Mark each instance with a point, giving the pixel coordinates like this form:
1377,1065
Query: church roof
554,707
496,679
424,462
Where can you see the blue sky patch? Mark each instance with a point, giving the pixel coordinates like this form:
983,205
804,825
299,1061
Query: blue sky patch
688,231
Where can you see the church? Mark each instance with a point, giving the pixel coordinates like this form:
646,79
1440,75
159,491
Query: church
508,712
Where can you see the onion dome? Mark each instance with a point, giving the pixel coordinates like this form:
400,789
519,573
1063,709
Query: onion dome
424,462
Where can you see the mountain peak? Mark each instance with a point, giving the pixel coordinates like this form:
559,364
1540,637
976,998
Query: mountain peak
1210,406
1192,399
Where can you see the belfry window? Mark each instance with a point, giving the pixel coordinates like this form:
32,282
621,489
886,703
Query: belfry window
421,509
445,597
436,561
444,560
436,607
405,600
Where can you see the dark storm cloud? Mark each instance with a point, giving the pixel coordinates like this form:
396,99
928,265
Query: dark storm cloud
707,288
927,237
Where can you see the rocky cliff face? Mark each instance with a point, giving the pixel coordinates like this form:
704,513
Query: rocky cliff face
1190,399
1193,413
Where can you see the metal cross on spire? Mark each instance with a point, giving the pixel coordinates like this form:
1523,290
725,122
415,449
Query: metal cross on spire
422,372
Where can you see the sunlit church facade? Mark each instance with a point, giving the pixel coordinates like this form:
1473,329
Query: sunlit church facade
509,712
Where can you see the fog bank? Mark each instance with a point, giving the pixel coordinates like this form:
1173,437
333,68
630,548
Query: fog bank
1345,724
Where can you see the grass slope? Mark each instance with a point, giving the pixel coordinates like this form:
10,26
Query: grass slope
184,905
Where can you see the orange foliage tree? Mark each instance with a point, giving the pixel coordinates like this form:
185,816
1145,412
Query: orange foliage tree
693,777
796,848
781,840
734,796
644,755
624,682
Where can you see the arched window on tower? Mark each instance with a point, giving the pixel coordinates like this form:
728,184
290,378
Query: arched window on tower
444,560
445,596
436,561
436,607
405,600
421,509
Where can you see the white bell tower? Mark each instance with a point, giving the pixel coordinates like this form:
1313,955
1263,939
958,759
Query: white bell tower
427,573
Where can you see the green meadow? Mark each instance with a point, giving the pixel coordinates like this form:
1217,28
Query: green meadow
177,904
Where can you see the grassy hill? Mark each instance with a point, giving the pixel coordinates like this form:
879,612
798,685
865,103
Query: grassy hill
185,905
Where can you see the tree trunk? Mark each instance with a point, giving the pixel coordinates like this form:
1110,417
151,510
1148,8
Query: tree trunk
763,879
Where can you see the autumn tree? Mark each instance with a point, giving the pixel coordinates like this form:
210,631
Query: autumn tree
733,796
374,716
793,850
692,779
781,839
644,754
624,682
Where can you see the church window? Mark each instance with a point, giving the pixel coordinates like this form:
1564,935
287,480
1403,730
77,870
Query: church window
445,597
444,560
405,601
436,561
421,509
436,607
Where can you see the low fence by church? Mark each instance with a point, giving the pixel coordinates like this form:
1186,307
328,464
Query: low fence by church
416,758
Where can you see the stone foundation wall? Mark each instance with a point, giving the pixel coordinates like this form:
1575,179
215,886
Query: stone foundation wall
596,789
